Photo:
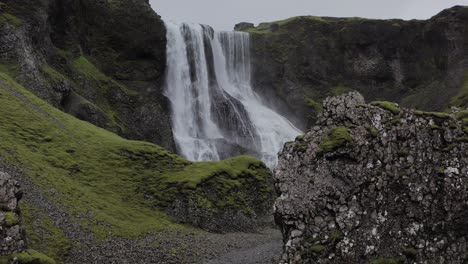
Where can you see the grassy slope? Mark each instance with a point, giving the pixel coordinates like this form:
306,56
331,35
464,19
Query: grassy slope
96,174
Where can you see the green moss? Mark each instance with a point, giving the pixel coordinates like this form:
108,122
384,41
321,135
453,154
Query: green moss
43,235
11,219
337,138
336,236
28,257
7,18
316,106
398,260
373,131
313,250
53,74
462,115
84,66
440,115
410,253
395,121
10,69
228,180
461,99
88,69
389,106
339,90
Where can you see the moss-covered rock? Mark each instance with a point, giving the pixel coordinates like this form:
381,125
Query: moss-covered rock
29,256
371,201
338,137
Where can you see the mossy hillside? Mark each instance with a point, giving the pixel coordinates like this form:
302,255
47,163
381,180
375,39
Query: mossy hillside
97,174
337,138
80,161
29,256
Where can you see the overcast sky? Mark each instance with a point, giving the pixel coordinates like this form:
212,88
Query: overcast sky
224,14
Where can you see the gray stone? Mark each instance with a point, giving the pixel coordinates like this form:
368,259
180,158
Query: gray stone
378,195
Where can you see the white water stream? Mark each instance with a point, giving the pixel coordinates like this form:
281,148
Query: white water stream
215,112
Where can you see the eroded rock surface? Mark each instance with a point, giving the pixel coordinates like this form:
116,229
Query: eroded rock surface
374,183
12,238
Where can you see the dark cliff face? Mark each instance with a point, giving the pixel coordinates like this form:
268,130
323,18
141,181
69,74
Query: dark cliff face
417,63
101,61
375,183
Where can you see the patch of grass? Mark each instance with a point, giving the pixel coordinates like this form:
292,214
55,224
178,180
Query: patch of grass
28,257
389,106
11,219
317,106
42,234
53,74
7,18
337,138
336,236
410,253
339,90
88,69
84,66
461,99
372,131
313,250
300,144
462,115
398,260
440,115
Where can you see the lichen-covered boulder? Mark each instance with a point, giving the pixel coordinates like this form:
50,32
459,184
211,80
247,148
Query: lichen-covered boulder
12,238
375,183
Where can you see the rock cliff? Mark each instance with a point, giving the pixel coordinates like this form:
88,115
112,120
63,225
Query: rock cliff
101,61
301,60
375,183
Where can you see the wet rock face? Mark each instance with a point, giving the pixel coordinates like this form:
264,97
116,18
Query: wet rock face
12,239
375,183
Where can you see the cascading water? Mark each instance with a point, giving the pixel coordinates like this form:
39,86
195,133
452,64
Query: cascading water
215,112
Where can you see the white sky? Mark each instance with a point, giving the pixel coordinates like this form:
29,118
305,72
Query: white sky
224,14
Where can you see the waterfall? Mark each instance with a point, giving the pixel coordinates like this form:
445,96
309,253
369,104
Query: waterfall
215,112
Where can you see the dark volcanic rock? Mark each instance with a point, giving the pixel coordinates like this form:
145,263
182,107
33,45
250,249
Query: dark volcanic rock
12,237
375,183
243,26
416,63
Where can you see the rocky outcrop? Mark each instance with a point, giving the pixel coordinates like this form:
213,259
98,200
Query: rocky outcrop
375,183
299,61
12,237
101,61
